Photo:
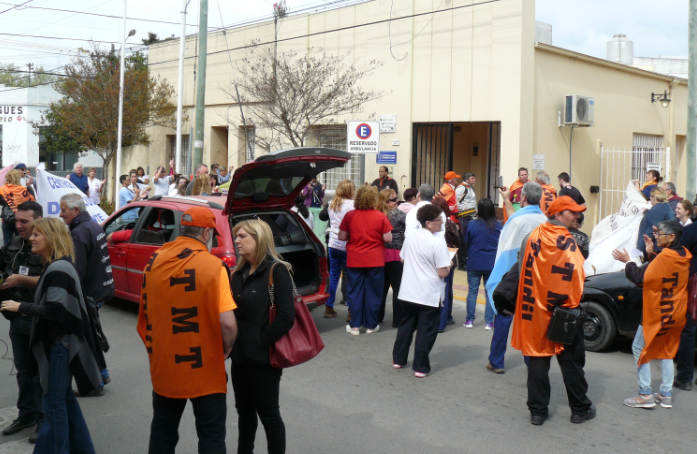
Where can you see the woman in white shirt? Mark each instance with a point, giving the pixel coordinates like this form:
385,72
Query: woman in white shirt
341,204
94,186
162,181
683,211
142,176
426,263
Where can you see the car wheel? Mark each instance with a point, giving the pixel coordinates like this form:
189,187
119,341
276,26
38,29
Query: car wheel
598,327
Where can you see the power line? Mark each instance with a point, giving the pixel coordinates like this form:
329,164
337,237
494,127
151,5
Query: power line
32,72
351,27
61,37
16,6
22,88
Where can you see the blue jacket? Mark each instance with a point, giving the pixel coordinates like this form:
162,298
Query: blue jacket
482,244
82,182
657,213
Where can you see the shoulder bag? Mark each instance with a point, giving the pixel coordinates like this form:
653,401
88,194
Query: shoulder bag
302,342
564,324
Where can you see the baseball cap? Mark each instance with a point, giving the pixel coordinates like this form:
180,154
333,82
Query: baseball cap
451,175
564,203
20,165
199,217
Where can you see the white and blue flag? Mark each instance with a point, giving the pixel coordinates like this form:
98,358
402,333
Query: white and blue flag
514,232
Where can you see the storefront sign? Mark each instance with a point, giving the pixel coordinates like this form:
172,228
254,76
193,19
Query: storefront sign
386,157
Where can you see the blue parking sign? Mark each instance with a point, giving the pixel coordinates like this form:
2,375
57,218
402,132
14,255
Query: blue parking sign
386,157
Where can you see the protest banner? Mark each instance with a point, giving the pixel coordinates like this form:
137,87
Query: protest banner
51,188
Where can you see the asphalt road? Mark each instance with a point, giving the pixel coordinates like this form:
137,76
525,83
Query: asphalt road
350,400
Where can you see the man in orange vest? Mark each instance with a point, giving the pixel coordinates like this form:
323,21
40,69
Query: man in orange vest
187,323
447,192
516,191
664,283
551,275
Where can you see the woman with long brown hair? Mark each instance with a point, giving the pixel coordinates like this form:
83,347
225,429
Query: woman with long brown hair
202,185
341,204
63,341
366,230
256,384
393,263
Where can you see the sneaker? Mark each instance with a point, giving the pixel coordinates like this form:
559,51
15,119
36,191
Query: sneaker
665,401
469,324
640,401
354,331
16,426
35,435
451,321
374,330
397,366
580,419
489,326
494,370
329,312
685,386
420,374
106,380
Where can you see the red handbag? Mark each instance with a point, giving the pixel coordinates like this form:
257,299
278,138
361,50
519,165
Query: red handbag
692,297
302,342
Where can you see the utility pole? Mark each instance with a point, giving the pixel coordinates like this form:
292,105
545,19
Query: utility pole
201,84
180,90
692,104
30,65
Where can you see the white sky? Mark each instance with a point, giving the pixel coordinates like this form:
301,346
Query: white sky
657,28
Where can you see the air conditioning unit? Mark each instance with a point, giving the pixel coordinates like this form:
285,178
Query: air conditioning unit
578,110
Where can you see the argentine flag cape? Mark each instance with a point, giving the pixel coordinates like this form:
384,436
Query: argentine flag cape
514,232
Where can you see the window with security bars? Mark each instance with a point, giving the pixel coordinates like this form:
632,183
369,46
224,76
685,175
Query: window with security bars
647,153
250,145
185,153
335,137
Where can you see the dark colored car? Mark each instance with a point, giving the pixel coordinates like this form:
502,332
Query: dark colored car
613,305
263,189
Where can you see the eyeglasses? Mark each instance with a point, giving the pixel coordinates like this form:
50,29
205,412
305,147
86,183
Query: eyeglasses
662,234
392,200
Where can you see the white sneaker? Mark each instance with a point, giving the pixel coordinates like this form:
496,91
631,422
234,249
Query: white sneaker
371,331
350,330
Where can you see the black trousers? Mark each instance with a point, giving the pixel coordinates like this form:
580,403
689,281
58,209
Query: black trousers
424,320
257,393
30,398
210,412
571,362
685,359
463,250
393,277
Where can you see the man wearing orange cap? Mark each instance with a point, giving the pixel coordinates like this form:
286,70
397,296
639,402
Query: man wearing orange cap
447,192
551,275
187,323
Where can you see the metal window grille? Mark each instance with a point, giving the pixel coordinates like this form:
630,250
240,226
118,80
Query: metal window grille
250,148
647,150
185,153
432,153
335,137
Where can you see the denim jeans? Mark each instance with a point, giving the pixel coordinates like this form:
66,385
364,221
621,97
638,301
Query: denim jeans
446,311
64,428
473,279
644,370
8,232
337,260
30,395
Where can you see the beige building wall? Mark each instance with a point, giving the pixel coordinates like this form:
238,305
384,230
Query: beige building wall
623,107
464,64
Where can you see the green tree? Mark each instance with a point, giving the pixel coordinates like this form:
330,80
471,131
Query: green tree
87,114
153,38
12,75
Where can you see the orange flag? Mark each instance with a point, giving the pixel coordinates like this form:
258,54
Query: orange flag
665,304
552,273
549,193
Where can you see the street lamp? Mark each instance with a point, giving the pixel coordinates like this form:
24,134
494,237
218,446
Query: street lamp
117,199
662,98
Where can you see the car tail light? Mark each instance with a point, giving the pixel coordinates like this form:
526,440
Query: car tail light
229,259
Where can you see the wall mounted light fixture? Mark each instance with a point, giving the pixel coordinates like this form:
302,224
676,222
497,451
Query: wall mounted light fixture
662,98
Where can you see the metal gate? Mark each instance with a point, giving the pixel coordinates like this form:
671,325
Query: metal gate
432,153
619,166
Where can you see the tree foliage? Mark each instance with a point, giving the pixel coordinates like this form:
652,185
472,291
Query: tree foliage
308,91
12,75
87,114
153,38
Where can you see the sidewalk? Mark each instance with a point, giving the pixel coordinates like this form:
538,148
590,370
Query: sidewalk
460,288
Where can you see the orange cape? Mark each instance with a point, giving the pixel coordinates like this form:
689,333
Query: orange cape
179,320
665,304
448,193
514,187
552,273
549,193
15,195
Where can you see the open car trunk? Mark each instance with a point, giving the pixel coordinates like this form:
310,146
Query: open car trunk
294,244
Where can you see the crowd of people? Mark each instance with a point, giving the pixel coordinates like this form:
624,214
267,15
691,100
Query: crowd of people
195,314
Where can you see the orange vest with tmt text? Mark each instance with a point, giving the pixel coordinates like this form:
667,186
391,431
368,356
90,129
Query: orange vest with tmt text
551,273
179,320
665,304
